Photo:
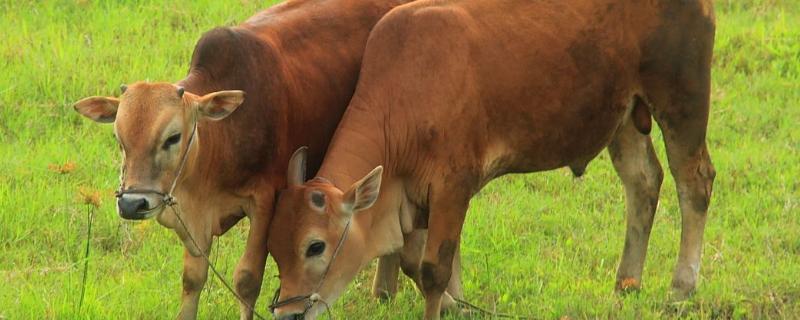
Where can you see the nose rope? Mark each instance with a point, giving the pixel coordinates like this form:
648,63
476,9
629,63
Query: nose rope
314,297
168,200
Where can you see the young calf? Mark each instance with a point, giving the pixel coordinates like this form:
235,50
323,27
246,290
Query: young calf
298,63
454,94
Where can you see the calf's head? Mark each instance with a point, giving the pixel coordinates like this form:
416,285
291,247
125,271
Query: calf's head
153,123
310,222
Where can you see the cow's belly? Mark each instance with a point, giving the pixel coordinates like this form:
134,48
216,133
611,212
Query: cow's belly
558,116
563,136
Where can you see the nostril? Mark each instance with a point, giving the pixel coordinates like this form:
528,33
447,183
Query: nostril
142,205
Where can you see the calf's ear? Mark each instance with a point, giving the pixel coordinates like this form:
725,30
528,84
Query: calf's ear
296,173
220,104
100,109
364,192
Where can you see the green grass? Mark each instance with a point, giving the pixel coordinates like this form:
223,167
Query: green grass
540,244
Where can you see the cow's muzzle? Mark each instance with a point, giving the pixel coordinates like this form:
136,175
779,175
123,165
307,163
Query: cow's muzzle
137,205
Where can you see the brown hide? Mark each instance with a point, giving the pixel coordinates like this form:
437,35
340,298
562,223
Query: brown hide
297,62
453,94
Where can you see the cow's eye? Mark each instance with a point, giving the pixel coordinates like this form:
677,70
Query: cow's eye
316,248
173,139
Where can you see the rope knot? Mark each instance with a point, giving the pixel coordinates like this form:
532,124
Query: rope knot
314,297
169,200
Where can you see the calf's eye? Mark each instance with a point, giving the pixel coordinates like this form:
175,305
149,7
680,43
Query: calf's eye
316,248
173,139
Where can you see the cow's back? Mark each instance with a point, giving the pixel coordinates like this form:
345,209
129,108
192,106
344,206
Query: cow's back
523,85
298,62
320,44
568,74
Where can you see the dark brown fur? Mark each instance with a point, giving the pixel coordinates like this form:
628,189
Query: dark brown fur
436,276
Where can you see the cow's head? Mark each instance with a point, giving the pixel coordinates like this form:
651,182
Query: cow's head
308,223
153,123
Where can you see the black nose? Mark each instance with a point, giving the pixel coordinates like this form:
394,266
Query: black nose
293,316
130,207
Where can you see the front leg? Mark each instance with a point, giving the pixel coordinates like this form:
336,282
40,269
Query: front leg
454,290
195,274
250,270
446,218
384,285
411,258
196,242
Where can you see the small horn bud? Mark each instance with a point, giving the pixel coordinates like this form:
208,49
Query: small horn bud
180,92
123,88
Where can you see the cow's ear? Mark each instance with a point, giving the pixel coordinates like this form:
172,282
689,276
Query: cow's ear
364,192
100,109
220,104
296,174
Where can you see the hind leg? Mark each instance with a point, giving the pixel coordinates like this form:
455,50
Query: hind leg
676,73
694,174
637,166
682,114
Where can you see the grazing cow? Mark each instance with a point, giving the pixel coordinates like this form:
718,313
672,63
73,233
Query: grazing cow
298,63
453,94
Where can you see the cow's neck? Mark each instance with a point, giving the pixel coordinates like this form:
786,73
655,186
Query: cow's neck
356,149
223,146
213,187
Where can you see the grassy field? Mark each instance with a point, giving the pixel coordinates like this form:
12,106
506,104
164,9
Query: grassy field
539,244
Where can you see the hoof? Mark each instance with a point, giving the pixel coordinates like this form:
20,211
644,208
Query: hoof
453,308
681,294
682,289
382,295
627,286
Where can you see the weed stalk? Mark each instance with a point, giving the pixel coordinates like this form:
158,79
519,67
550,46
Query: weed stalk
89,216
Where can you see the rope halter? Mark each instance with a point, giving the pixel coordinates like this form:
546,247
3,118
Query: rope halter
166,198
314,296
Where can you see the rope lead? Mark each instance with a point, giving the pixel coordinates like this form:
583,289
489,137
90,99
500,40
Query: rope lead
168,200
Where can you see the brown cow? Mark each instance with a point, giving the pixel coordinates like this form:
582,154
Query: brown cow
298,63
453,94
